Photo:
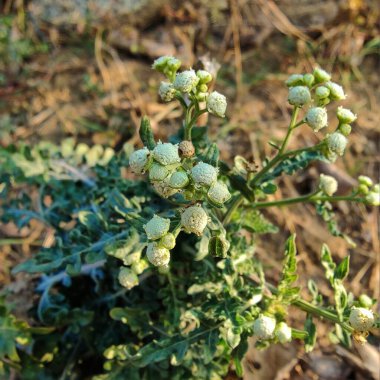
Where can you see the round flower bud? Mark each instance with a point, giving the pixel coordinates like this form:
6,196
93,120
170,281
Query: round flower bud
345,115
157,227
160,63
204,174
321,75
328,184
158,172
159,257
139,160
373,199
316,118
345,129
299,95
308,79
163,189
337,143
194,220
201,96
361,319
294,80
365,301
186,149
204,76
186,81
363,189
322,92
127,278
139,266
264,326
179,180
173,64
216,104
166,91
336,91
364,180
166,153
376,188
203,88
218,193
283,333
167,241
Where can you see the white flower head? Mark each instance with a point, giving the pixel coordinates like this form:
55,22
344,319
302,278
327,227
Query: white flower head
283,332
186,81
361,319
216,104
166,91
299,96
345,115
263,327
373,198
328,184
316,118
139,160
337,143
204,174
218,193
336,91
157,227
158,256
166,154
194,220
127,278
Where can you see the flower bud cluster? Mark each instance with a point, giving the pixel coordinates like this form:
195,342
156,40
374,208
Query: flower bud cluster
266,327
370,190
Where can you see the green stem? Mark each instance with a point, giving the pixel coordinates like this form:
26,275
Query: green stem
234,205
293,123
190,124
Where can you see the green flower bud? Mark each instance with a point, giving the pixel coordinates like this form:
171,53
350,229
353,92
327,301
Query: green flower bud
186,149
139,160
376,188
218,193
167,241
194,220
204,174
345,129
363,189
294,80
173,64
158,172
316,118
179,180
186,81
322,92
345,115
308,79
160,63
163,188
127,278
157,227
159,257
216,104
81,149
166,91
140,266
283,333
337,143
373,199
328,184
321,75
201,96
299,96
204,76
203,88
263,327
131,258
336,91
361,319
166,153
365,301
364,180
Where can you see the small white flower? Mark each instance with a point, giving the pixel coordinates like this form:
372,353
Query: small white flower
321,75
283,333
373,198
336,91
158,256
328,184
204,76
139,160
294,80
127,278
166,154
337,143
179,180
204,174
299,96
166,91
361,319
167,241
157,227
218,193
186,81
264,326
345,115
194,220
364,180
216,104
316,118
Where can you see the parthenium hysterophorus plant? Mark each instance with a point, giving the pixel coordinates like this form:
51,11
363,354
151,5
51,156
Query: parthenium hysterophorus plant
161,281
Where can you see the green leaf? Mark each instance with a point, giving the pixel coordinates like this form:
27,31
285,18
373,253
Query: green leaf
312,334
217,247
269,188
211,155
90,220
146,133
328,263
342,269
255,222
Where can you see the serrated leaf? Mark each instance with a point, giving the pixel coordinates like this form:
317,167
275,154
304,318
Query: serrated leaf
255,222
342,269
